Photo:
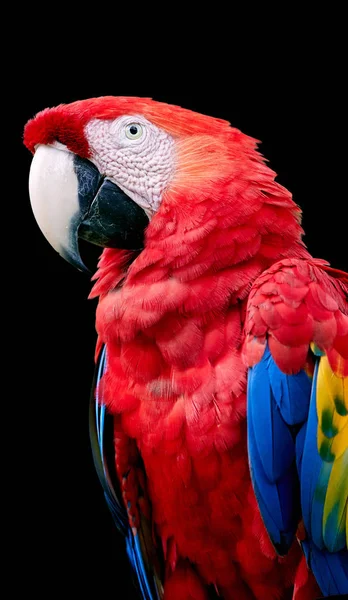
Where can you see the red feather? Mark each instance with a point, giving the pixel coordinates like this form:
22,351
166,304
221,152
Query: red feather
184,584
299,303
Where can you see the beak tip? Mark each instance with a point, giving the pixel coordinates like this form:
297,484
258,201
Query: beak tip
75,260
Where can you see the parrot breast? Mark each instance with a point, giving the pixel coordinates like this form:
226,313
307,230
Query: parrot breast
179,383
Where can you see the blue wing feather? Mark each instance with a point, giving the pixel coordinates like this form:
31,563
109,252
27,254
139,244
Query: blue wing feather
288,403
336,539
146,580
313,470
330,569
277,447
300,442
96,429
273,500
272,457
291,393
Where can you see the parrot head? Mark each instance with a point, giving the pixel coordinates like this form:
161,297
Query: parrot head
133,173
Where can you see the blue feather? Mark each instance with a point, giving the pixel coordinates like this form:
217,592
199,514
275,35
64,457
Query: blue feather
146,580
291,393
117,510
274,499
282,422
313,471
134,554
272,457
334,538
299,446
329,569
318,501
272,436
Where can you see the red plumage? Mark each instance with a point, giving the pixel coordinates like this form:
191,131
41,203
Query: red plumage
223,264
298,302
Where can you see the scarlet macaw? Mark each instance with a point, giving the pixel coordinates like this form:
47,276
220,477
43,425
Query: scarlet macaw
222,350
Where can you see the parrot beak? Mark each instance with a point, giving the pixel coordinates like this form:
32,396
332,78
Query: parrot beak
71,200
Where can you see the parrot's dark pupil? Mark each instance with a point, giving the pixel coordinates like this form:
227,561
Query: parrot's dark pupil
133,130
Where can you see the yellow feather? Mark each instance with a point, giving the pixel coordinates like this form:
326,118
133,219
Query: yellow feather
330,398
332,440
332,448
345,393
337,495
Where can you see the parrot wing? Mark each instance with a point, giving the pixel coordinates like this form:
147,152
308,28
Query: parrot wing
132,523
296,348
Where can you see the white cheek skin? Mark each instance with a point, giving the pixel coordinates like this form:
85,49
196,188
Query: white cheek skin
142,168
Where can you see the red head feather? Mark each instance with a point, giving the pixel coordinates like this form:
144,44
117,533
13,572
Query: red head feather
65,123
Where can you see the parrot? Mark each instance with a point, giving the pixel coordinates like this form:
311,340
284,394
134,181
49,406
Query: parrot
219,410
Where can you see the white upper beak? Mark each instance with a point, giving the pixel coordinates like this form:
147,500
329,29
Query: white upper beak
53,190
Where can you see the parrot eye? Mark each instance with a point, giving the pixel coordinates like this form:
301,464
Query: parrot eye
134,131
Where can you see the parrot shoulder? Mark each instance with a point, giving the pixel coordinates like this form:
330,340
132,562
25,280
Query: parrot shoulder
294,304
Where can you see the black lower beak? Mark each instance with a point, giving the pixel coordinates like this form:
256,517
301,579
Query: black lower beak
71,200
109,217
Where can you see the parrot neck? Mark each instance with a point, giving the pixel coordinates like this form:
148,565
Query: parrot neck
187,278
205,250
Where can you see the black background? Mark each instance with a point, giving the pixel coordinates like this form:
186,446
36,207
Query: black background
63,536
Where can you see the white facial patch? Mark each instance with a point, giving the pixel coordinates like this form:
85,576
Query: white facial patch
134,154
